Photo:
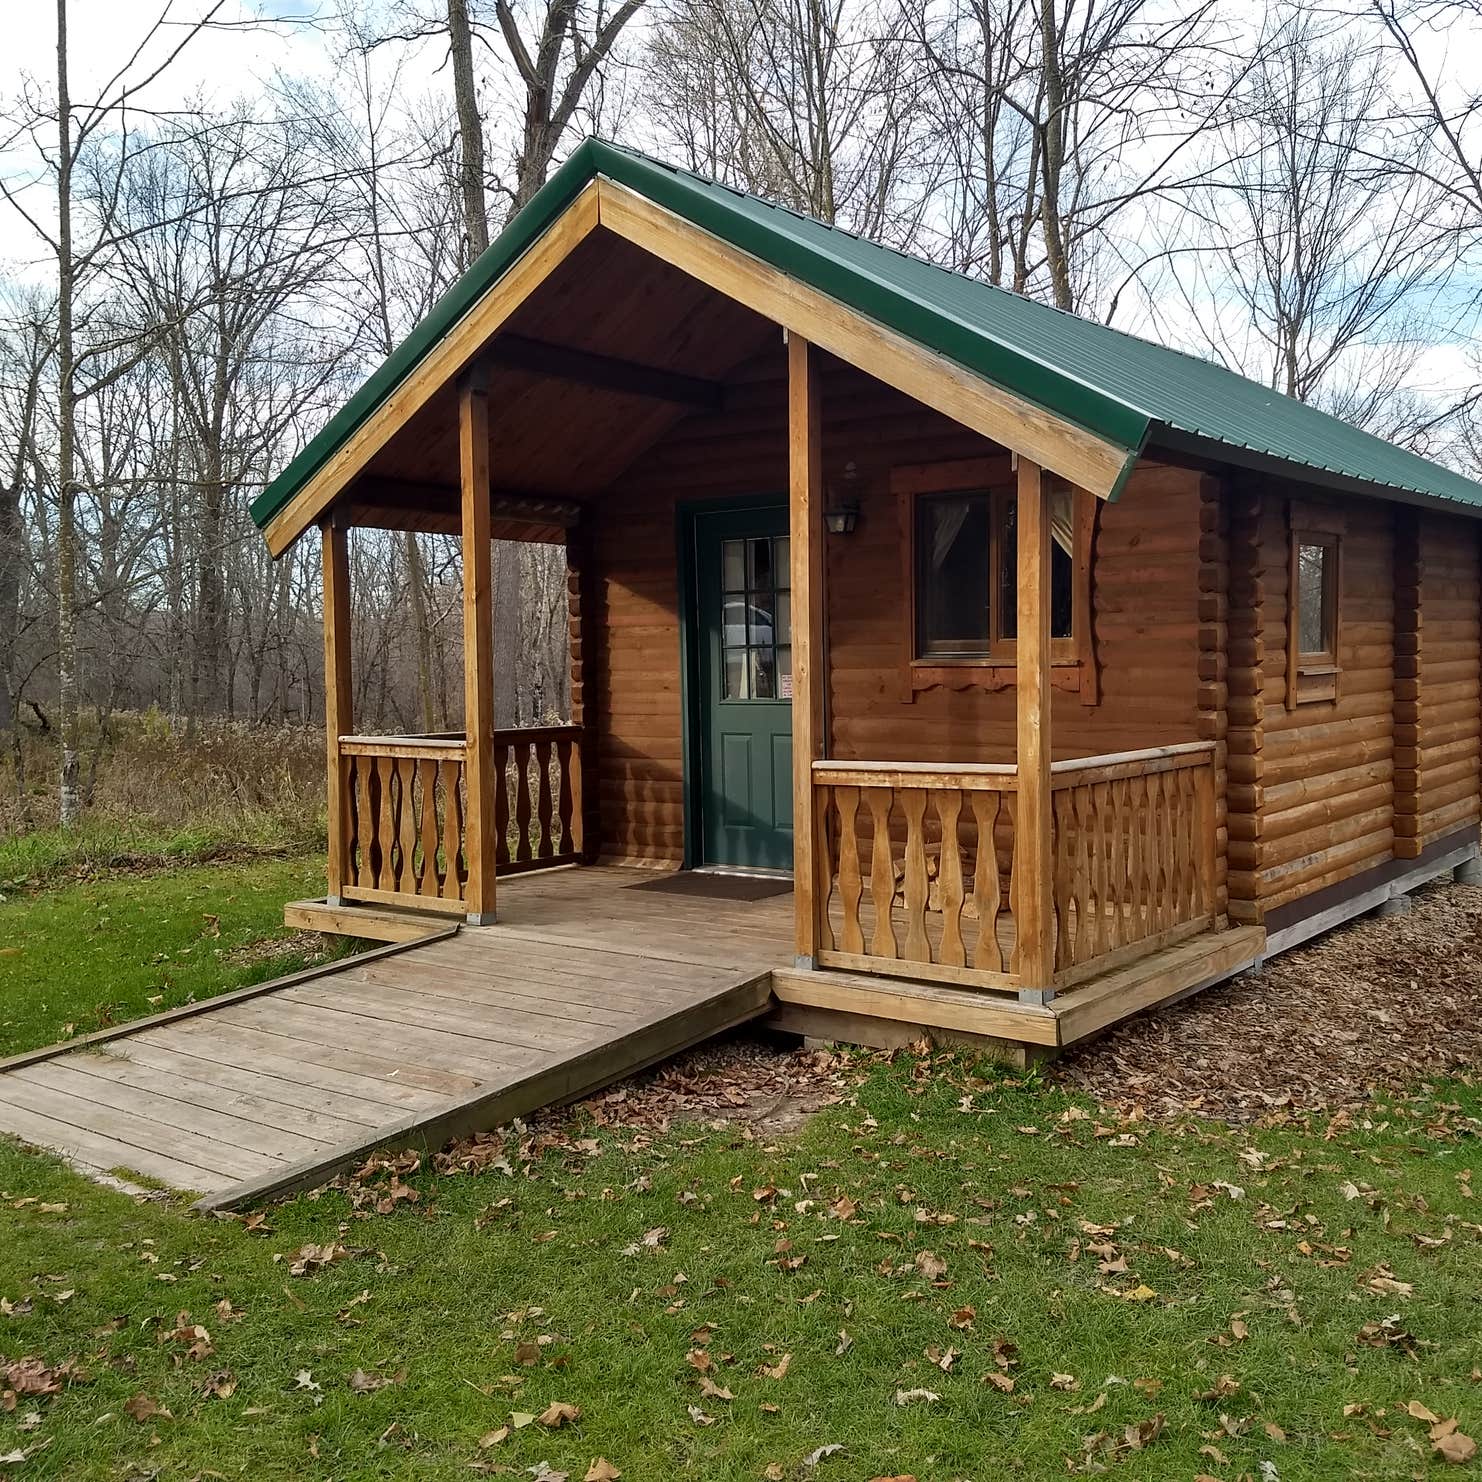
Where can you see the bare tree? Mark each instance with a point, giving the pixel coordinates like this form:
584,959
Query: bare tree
813,103
1060,124
1322,268
26,348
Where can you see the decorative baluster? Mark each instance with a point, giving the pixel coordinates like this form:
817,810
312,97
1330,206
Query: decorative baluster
522,847
406,872
851,885
824,859
575,839
987,887
949,878
915,885
564,785
1067,841
882,875
449,772
352,819
427,878
365,825
544,840
504,752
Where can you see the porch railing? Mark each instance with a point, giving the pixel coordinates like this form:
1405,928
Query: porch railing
916,864
403,812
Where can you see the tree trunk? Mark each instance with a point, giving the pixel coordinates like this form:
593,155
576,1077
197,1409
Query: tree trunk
70,800
470,130
1052,159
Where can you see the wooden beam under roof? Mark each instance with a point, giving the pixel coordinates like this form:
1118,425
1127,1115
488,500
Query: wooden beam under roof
605,372
436,509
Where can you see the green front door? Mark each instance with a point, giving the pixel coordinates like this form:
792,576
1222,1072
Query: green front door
744,746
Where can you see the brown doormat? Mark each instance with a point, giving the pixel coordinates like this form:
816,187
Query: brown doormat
703,885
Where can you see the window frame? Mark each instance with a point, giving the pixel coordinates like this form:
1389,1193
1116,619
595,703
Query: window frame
1072,659
1314,678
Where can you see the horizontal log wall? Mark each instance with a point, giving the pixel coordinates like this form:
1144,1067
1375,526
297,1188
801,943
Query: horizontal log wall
1328,767
1444,751
1146,595
1319,793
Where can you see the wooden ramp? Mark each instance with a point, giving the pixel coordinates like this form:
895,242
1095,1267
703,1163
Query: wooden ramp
281,1086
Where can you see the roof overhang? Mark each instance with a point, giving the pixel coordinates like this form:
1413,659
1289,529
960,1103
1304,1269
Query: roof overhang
584,195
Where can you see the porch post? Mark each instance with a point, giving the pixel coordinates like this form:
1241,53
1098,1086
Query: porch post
1033,905
478,646
805,468
338,697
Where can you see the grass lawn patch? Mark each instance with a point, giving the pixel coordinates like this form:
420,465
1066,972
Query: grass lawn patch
945,1275
113,947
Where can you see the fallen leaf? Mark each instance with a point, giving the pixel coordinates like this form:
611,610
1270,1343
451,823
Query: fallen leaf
930,1265
143,1409
1455,1448
559,1413
602,1470
822,1453
916,1396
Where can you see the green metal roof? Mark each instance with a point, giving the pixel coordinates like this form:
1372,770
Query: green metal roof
1129,391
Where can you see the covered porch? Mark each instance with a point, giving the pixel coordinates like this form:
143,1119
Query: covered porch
1003,843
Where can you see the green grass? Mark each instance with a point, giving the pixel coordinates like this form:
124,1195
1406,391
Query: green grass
1010,1183
33,860
112,947
480,1262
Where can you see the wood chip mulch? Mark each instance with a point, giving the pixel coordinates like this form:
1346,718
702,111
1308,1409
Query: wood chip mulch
753,1080
1372,1007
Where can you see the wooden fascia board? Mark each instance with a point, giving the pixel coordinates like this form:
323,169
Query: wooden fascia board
1086,460
453,354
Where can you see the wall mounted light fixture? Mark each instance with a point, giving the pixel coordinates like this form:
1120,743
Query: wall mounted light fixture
841,514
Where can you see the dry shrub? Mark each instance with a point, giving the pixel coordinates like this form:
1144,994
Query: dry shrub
264,786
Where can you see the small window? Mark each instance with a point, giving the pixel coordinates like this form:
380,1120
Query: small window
952,538
1062,566
1317,591
1313,605
963,560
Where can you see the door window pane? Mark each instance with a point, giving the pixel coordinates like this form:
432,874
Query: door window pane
759,618
736,675
760,575
952,576
763,674
756,619
733,565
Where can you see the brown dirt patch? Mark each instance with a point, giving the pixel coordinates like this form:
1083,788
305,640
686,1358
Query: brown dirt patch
1372,1007
312,946
745,1080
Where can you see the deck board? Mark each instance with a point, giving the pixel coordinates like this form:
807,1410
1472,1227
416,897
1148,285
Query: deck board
582,982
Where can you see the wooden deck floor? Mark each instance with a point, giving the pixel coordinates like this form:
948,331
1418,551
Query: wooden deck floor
584,981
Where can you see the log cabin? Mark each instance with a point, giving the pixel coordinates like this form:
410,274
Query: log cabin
993,673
